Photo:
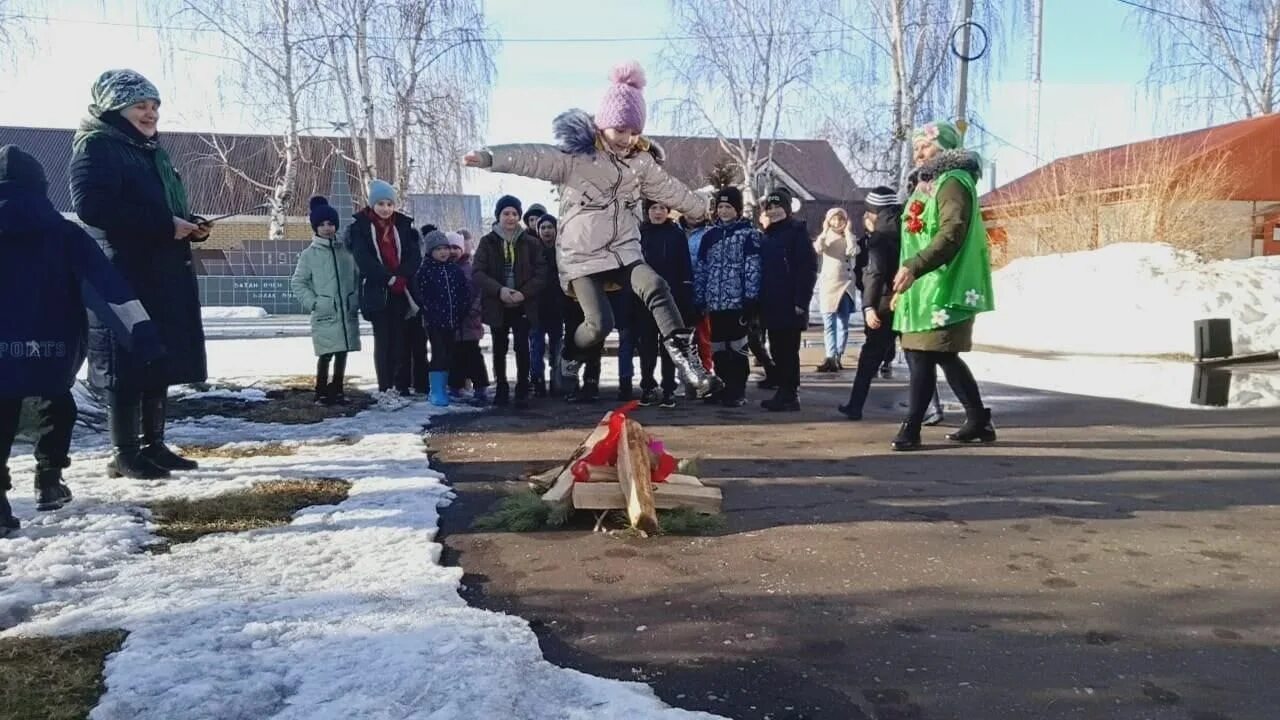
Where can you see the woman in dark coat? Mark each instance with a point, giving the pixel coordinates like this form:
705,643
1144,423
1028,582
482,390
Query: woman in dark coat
388,251
789,272
124,188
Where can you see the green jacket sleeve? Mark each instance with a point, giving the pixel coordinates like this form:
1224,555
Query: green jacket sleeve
954,212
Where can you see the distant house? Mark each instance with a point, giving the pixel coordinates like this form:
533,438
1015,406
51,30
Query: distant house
809,168
1218,188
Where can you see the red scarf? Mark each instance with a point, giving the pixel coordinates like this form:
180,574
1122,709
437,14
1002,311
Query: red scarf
384,233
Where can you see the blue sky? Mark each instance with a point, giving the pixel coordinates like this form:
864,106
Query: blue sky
1094,63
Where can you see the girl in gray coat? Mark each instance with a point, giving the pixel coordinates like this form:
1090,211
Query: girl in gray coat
327,284
605,168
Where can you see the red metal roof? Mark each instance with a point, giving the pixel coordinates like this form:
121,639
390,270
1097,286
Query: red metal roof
1252,147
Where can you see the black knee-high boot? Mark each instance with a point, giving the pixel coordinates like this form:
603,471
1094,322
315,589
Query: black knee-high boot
124,415
154,417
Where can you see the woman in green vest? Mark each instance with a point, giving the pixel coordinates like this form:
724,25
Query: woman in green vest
944,281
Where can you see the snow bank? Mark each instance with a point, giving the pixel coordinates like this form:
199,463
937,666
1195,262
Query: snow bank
345,613
1131,299
186,392
232,313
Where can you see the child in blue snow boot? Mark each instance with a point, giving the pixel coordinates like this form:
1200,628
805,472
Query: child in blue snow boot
604,168
442,291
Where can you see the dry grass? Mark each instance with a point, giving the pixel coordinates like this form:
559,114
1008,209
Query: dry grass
1170,196
54,678
243,450
267,504
291,404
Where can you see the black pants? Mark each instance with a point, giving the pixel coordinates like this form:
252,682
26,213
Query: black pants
598,318
755,340
514,325
891,349
339,361
649,341
443,348
55,418
924,383
415,372
468,364
729,351
391,351
870,358
785,345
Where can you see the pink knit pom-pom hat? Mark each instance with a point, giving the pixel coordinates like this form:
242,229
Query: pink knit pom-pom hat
623,103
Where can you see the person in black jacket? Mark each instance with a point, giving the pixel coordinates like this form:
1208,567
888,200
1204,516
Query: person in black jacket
789,274
51,269
388,251
666,250
546,339
125,189
884,236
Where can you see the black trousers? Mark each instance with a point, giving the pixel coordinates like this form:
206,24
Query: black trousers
729,351
598,313
924,383
415,372
870,358
468,364
785,345
443,348
515,325
339,361
649,342
391,350
55,418
755,340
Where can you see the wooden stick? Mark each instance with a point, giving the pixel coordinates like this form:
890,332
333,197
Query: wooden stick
562,489
634,476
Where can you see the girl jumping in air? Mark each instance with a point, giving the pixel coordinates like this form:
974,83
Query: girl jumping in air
605,168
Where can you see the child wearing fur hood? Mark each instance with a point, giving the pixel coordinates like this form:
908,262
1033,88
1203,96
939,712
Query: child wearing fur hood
605,168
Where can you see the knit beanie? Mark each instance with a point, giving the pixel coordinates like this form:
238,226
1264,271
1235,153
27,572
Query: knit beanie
941,133
21,171
380,190
731,195
456,240
118,89
504,202
548,219
623,103
881,197
433,240
535,210
321,212
781,197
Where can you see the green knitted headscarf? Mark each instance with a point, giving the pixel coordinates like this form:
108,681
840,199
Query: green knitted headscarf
941,133
113,91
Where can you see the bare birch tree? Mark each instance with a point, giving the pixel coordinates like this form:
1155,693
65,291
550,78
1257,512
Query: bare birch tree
1221,56
745,73
902,47
268,41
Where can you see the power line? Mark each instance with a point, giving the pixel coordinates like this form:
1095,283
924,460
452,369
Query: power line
1004,142
1195,20
495,39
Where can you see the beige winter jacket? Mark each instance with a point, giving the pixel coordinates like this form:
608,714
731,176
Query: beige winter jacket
835,269
600,196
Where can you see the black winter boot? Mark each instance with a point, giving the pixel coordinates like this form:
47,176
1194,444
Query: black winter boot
908,438
668,399
683,350
829,366
539,388
770,381
51,492
977,428
522,396
8,523
153,447
782,401
126,459
649,397
502,396
626,391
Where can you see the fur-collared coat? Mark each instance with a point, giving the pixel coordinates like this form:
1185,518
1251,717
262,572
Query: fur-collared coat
600,193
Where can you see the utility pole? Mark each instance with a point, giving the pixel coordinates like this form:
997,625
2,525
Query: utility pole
962,85
1037,53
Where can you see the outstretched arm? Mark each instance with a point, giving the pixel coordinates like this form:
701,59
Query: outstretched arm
541,162
656,184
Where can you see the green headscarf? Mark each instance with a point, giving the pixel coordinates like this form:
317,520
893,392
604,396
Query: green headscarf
118,89
941,133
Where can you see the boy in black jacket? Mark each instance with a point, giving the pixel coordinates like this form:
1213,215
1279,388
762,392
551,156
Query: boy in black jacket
789,271
50,270
666,250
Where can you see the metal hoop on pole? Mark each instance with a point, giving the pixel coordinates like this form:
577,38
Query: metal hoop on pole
965,54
